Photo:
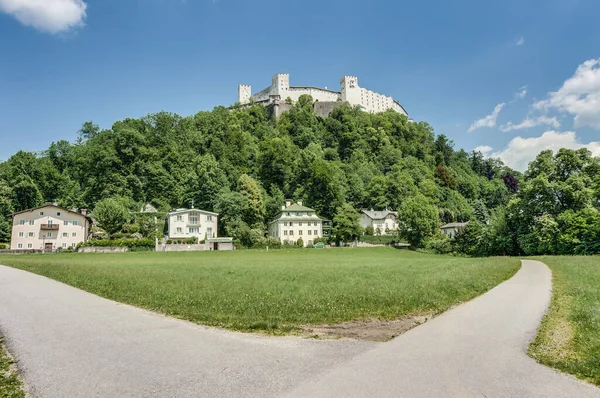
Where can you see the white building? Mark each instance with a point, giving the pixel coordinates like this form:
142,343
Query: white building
350,92
294,222
49,227
383,222
192,223
452,229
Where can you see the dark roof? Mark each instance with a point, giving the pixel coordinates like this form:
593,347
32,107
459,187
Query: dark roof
455,225
316,88
51,205
379,215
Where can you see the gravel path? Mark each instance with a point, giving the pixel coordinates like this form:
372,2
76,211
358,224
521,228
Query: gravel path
70,343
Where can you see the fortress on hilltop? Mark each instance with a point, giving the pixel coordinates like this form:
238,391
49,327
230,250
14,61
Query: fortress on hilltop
278,95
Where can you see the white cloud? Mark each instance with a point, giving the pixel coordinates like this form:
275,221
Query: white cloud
53,16
488,121
483,149
520,151
529,123
521,93
521,41
578,96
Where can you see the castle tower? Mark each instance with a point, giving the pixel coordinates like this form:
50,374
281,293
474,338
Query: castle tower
244,93
350,90
281,85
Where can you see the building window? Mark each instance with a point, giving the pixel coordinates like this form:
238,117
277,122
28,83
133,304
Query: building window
195,230
50,222
291,232
300,232
29,246
21,222
64,245
179,218
74,234
316,232
58,214
49,234
285,224
21,234
209,218
20,246
299,224
73,244
194,218
41,213
31,234
65,235
75,223
31,222
309,232
179,230
285,232
65,222
291,224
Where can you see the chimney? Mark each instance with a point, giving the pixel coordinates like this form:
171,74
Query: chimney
84,212
54,202
288,203
300,202
283,207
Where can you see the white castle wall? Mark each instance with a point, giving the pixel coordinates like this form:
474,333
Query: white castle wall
350,92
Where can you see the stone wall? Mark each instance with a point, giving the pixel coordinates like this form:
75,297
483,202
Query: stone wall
21,251
324,108
102,249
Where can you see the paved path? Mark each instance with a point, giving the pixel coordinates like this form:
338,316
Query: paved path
73,344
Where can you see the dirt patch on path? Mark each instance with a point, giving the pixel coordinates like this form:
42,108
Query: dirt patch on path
371,330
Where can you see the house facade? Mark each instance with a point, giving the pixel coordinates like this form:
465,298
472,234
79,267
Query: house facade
192,223
49,227
296,221
386,222
452,229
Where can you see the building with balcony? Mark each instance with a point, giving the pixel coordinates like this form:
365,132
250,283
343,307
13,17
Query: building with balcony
192,223
49,228
384,222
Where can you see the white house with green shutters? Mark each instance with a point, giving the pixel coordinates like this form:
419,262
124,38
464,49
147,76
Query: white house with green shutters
294,222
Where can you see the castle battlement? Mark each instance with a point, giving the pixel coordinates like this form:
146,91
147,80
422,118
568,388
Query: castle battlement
350,92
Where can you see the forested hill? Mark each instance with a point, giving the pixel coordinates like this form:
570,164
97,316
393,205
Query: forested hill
242,165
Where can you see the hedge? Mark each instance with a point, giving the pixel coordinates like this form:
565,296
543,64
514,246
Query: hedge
130,243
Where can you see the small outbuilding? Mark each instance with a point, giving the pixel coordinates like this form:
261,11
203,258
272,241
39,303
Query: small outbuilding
223,244
452,229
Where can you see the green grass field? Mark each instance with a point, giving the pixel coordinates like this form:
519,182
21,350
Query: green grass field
277,291
569,338
10,384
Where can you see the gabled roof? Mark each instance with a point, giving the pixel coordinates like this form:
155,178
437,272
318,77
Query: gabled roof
378,215
55,206
182,211
455,225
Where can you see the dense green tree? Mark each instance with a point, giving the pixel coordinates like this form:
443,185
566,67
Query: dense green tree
111,215
417,220
346,225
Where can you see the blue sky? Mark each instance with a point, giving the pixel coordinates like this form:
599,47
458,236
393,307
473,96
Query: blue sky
449,63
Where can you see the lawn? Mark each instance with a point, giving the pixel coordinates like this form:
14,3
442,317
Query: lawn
278,290
569,338
10,384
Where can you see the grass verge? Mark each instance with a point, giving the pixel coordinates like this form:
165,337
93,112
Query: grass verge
569,337
10,383
277,291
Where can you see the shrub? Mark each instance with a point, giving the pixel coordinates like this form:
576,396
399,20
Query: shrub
369,230
3,246
300,242
130,243
438,244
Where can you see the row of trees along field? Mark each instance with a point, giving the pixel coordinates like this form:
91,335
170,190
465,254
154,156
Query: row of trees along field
243,165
